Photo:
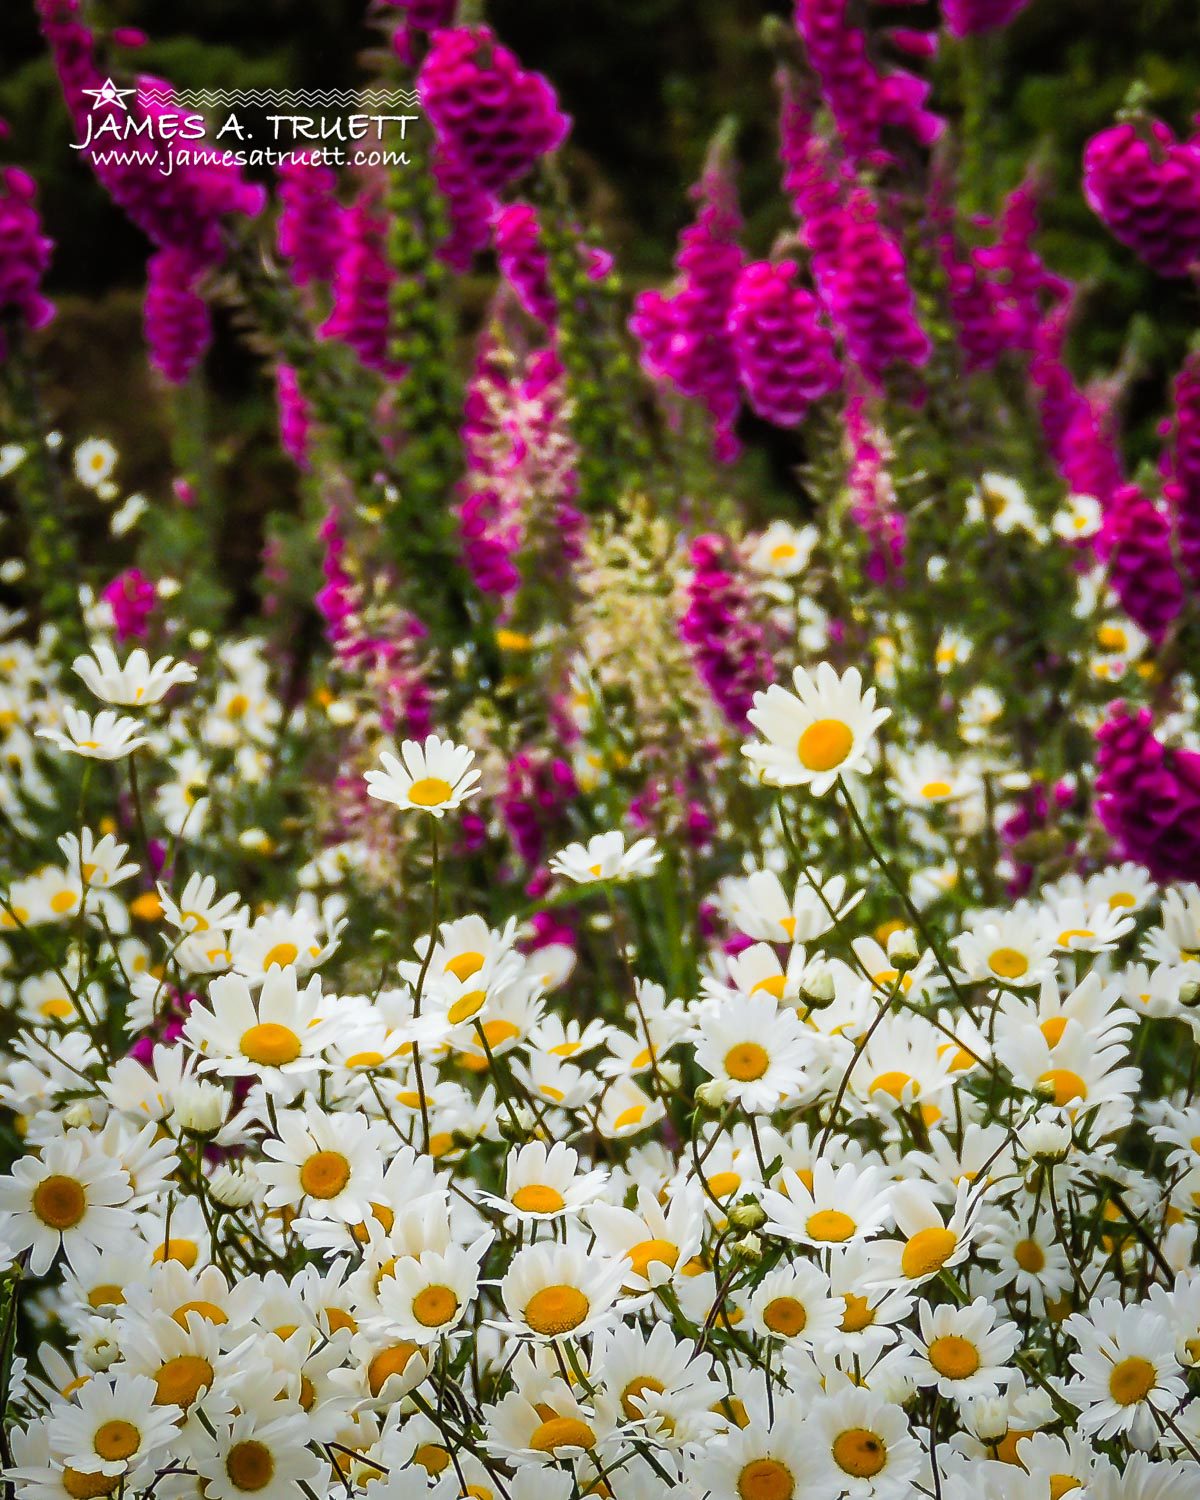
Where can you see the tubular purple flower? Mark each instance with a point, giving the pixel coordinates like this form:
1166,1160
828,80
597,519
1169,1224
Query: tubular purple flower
785,354
684,334
362,284
24,252
727,643
872,495
1182,487
309,230
1145,186
863,100
490,114
523,262
1148,796
175,318
184,209
974,17
1135,543
293,416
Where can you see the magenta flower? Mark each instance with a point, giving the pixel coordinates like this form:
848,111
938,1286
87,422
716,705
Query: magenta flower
489,113
785,354
522,260
726,641
1182,486
1145,186
974,17
309,231
24,252
293,416
864,100
361,290
175,317
1135,543
873,496
1148,796
684,334
131,597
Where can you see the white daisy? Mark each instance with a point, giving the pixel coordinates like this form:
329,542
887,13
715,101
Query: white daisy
137,684
433,777
816,735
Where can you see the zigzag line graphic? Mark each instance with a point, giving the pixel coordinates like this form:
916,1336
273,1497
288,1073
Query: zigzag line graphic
289,98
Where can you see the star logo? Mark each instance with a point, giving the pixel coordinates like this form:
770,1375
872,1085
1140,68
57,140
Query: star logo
109,93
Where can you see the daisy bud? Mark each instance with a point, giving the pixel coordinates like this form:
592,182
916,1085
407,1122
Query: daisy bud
200,1108
1189,994
99,1349
519,1129
1047,1142
79,1113
988,1417
747,1215
748,1248
902,950
670,1074
817,989
713,1093
231,1188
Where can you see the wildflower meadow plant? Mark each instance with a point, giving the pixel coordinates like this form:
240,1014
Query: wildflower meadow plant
613,976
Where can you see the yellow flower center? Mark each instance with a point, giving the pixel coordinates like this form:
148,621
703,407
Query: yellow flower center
388,1362
928,1251
766,1479
824,745
88,1486
955,1358
556,1309
630,1116
860,1452
463,965
783,552
250,1465
785,1316
59,1202
466,1006
1062,1484
747,1062
934,791
562,1432
434,1305
1008,963
325,1174
722,1184
1030,1256
181,1380
433,1458
635,1390
62,901
859,1314
1120,899
1131,1381
106,1296
1065,1086
538,1198
1052,1029
773,985
116,1440
209,1311
430,791
893,1083
642,1256
186,1252
1069,935
830,1226
281,954
270,1045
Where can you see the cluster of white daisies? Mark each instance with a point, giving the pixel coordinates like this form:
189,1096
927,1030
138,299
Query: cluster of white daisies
876,1215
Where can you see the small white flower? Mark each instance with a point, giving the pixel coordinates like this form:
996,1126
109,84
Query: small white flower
137,684
107,736
432,777
817,734
605,857
94,462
